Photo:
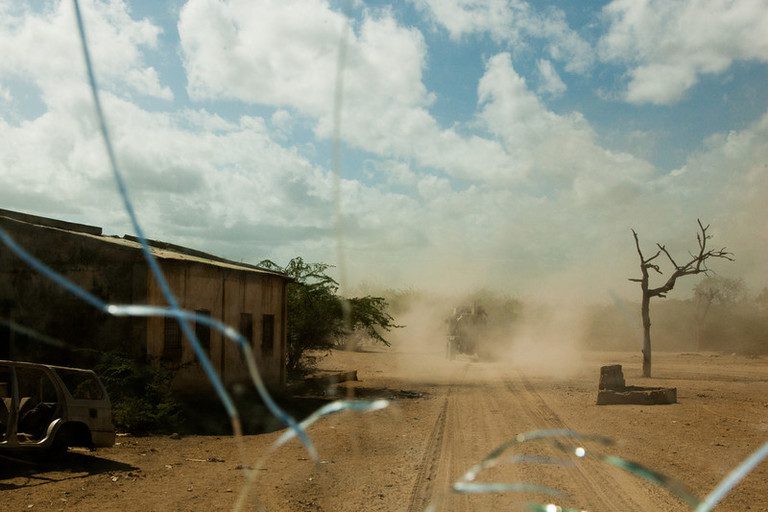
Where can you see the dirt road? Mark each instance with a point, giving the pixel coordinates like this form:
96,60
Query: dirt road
445,416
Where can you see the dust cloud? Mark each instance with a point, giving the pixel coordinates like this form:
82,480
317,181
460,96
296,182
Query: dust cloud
552,337
538,337
547,340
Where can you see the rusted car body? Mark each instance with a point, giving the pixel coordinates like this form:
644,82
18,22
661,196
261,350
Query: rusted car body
51,408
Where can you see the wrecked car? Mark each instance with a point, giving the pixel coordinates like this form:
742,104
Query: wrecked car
51,408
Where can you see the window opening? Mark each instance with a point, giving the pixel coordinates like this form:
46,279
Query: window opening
5,332
81,385
267,334
203,332
246,326
38,404
172,341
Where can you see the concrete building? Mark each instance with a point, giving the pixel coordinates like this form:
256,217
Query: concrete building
40,321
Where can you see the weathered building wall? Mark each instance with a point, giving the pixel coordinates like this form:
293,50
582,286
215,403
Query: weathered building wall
110,272
114,270
227,295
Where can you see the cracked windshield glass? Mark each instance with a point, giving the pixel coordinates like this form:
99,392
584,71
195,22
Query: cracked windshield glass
364,255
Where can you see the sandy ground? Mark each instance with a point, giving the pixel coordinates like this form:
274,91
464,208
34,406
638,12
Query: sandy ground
443,418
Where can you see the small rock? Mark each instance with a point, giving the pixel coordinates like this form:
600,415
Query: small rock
175,435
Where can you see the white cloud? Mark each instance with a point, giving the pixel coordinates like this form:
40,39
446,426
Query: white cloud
52,54
515,23
184,180
239,50
394,172
726,184
282,120
559,152
202,119
669,45
229,187
462,17
551,83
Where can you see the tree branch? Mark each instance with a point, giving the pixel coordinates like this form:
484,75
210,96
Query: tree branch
637,244
697,264
664,250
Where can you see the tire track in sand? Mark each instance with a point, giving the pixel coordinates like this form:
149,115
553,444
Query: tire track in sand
425,479
606,489
436,455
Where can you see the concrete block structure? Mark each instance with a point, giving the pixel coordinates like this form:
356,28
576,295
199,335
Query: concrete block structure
41,322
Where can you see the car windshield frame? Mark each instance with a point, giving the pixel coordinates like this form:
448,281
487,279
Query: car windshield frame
80,384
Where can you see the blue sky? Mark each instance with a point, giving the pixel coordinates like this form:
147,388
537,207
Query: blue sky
502,143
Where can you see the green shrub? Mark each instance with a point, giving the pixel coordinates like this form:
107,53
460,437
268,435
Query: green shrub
318,317
142,401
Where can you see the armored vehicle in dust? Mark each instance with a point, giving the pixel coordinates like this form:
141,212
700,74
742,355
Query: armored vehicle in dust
466,331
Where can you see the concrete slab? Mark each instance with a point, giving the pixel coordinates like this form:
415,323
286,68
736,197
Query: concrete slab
637,395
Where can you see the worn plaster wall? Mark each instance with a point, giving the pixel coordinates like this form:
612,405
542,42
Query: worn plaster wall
115,271
109,271
226,293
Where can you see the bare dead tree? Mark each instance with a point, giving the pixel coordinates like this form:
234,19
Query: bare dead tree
696,265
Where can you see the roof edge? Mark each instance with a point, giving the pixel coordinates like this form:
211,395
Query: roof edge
51,223
167,246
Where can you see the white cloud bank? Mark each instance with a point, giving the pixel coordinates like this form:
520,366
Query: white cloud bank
559,153
238,50
44,45
515,23
670,45
240,189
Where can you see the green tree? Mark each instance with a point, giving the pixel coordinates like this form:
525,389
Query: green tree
318,317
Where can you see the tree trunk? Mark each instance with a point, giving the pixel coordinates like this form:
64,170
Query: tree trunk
646,314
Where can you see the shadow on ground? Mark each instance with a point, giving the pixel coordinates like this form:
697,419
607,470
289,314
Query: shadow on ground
18,472
207,416
366,393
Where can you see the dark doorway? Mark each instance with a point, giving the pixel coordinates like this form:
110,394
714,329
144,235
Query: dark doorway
5,332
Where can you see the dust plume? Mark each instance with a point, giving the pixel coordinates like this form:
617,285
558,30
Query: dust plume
541,338
546,340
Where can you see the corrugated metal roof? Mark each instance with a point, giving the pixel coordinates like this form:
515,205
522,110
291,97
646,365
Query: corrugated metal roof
161,250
